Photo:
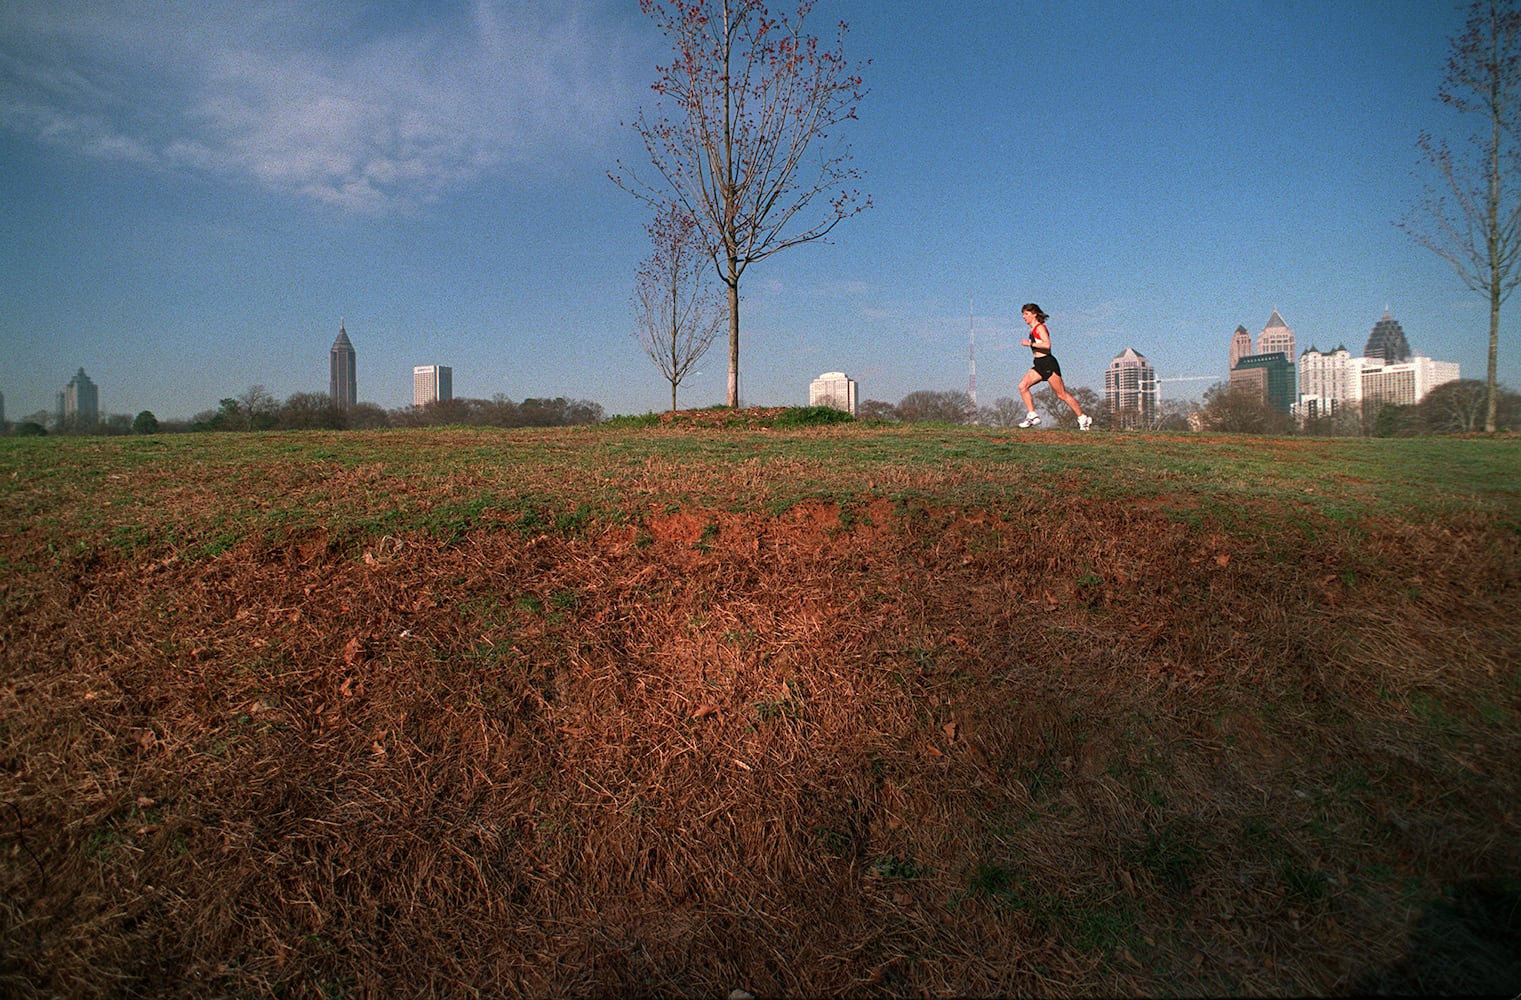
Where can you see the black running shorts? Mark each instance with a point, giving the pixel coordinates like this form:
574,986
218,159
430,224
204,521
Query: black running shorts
1045,366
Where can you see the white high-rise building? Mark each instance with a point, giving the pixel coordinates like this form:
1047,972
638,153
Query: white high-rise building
1329,381
431,383
1406,383
834,389
1130,389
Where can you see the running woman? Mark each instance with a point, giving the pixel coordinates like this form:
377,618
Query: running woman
1044,369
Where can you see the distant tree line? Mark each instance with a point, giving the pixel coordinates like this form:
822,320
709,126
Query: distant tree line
955,407
257,410
1458,407
1454,408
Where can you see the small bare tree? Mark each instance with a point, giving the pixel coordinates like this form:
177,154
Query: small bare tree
1479,232
1241,409
933,406
735,138
1456,407
676,308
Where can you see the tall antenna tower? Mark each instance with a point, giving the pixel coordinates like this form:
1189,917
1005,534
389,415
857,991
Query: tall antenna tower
971,378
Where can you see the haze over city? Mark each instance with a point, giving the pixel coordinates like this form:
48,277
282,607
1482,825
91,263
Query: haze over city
198,197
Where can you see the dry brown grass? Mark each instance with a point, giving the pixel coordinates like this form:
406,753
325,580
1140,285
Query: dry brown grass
897,749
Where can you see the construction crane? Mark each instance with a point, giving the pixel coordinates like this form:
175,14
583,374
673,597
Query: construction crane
1185,378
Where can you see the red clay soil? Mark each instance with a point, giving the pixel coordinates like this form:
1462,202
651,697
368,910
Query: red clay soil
891,750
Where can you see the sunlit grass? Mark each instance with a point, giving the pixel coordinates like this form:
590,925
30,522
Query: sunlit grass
638,708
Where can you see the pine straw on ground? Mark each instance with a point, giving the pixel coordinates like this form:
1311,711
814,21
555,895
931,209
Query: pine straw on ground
899,749
722,416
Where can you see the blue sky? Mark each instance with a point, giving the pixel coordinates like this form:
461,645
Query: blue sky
198,194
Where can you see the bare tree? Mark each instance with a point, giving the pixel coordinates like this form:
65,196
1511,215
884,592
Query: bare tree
1242,410
676,310
309,411
366,416
1172,414
258,408
1059,414
1479,231
749,95
1462,406
932,406
1005,412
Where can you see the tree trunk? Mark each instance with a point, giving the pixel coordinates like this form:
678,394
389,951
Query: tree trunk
1494,343
1496,278
733,400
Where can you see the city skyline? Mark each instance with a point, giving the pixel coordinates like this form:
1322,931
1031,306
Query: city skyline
439,178
1129,376
1312,383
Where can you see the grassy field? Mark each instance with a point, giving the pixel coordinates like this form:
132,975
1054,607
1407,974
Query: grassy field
685,710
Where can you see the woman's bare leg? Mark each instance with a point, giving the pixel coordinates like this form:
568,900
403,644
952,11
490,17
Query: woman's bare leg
1060,388
1031,378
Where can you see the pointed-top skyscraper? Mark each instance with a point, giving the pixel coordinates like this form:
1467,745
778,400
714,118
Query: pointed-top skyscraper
1130,389
342,388
1276,338
1387,341
81,400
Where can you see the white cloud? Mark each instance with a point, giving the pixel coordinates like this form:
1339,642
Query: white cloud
314,100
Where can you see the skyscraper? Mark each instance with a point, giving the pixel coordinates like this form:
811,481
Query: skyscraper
431,383
342,389
1329,382
1241,345
1276,338
1130,389
81,400
1270,374
1407,382
1387,342
834,389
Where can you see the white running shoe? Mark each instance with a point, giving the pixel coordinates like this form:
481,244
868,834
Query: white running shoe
1084,422
1030,421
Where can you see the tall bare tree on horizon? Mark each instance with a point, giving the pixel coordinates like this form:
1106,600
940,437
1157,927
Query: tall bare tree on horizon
738,136
676,310
1479,231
